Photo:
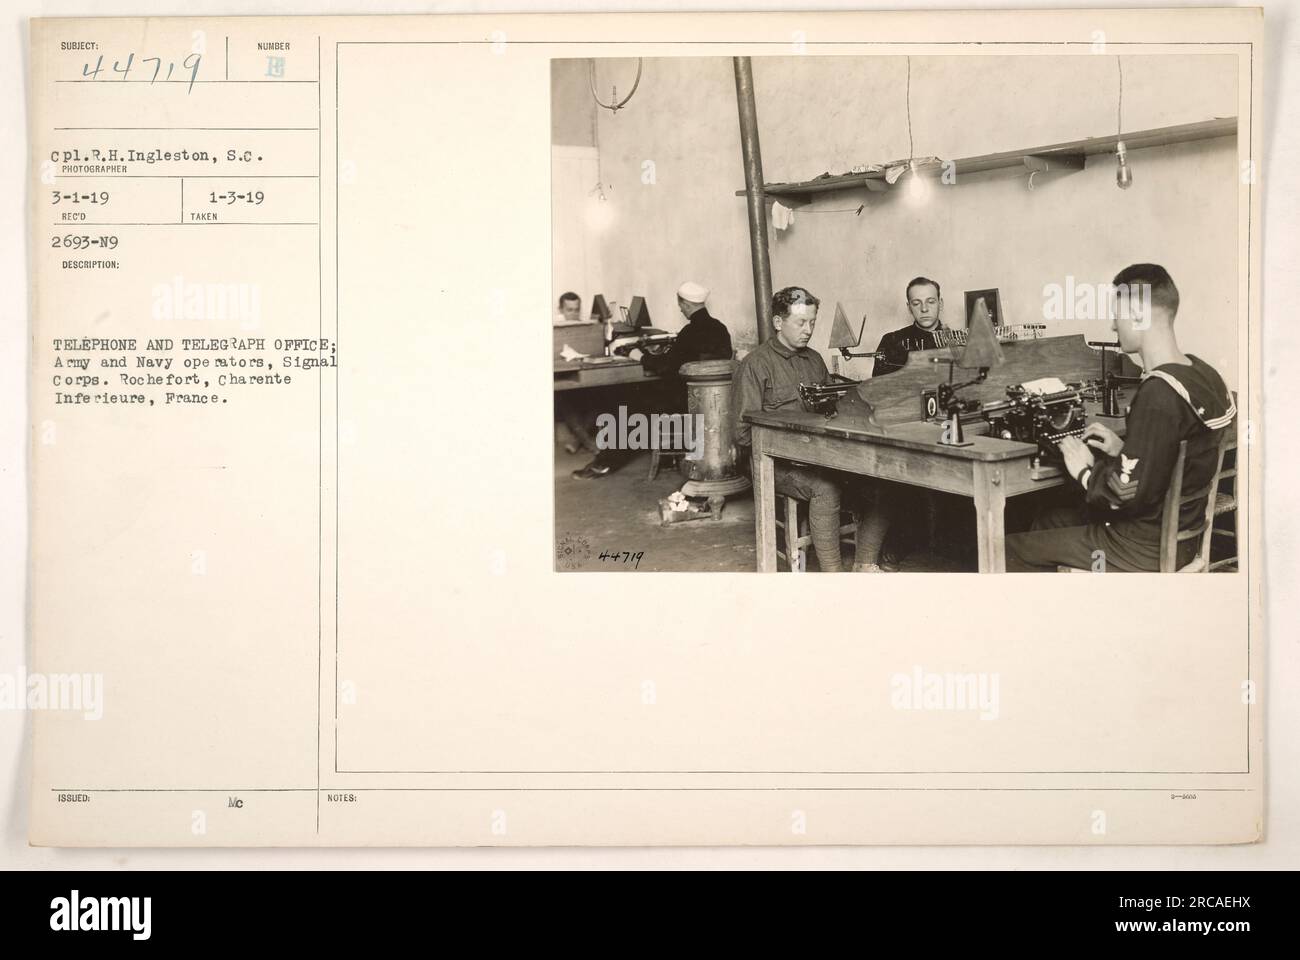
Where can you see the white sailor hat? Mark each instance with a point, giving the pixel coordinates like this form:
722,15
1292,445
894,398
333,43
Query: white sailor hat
692,292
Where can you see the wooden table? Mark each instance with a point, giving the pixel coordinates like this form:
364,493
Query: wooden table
989,470
576,375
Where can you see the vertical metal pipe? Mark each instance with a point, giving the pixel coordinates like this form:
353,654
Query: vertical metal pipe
754,196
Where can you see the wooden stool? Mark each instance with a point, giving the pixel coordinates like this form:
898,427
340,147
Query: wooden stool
662,449
788,518
657,456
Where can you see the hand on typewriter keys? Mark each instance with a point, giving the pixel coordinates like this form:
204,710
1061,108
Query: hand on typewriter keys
1103,438
1077,456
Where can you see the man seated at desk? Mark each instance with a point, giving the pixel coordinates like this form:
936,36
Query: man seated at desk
1124,481
768,379
570,426
570,308
703,338
925,302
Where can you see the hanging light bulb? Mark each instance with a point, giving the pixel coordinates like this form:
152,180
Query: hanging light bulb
1123,175
917,190
600,212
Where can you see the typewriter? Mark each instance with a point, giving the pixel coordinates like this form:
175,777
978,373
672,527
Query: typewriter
824,398
1040,418
655,343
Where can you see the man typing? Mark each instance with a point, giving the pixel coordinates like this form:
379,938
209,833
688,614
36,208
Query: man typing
702,338
1123,481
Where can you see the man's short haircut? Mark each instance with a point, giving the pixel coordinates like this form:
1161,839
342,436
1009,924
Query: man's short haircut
921,282
1162,291
787,297
569,296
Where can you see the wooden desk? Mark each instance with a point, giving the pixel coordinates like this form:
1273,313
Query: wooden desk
989,471
587,337
895,444
575,375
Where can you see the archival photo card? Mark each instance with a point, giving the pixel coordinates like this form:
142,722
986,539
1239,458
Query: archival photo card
321,555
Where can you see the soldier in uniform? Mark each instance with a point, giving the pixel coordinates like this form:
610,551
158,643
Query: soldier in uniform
925,302
768,379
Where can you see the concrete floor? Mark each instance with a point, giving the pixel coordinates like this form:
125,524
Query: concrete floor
620,512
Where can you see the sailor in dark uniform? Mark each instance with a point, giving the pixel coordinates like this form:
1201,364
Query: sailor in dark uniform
703,338
1123,481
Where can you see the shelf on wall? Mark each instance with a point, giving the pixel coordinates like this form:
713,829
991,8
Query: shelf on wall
1066,153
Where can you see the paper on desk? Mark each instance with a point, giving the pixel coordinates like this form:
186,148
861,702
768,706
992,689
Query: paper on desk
1044,385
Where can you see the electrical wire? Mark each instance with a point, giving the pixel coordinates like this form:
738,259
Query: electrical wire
1119,110
613,107
856,210
599,189
911,149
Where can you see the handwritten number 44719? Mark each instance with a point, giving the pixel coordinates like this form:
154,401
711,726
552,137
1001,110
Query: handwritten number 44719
626,556
120,71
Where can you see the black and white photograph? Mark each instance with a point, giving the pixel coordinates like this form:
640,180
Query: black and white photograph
911,313
311,573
